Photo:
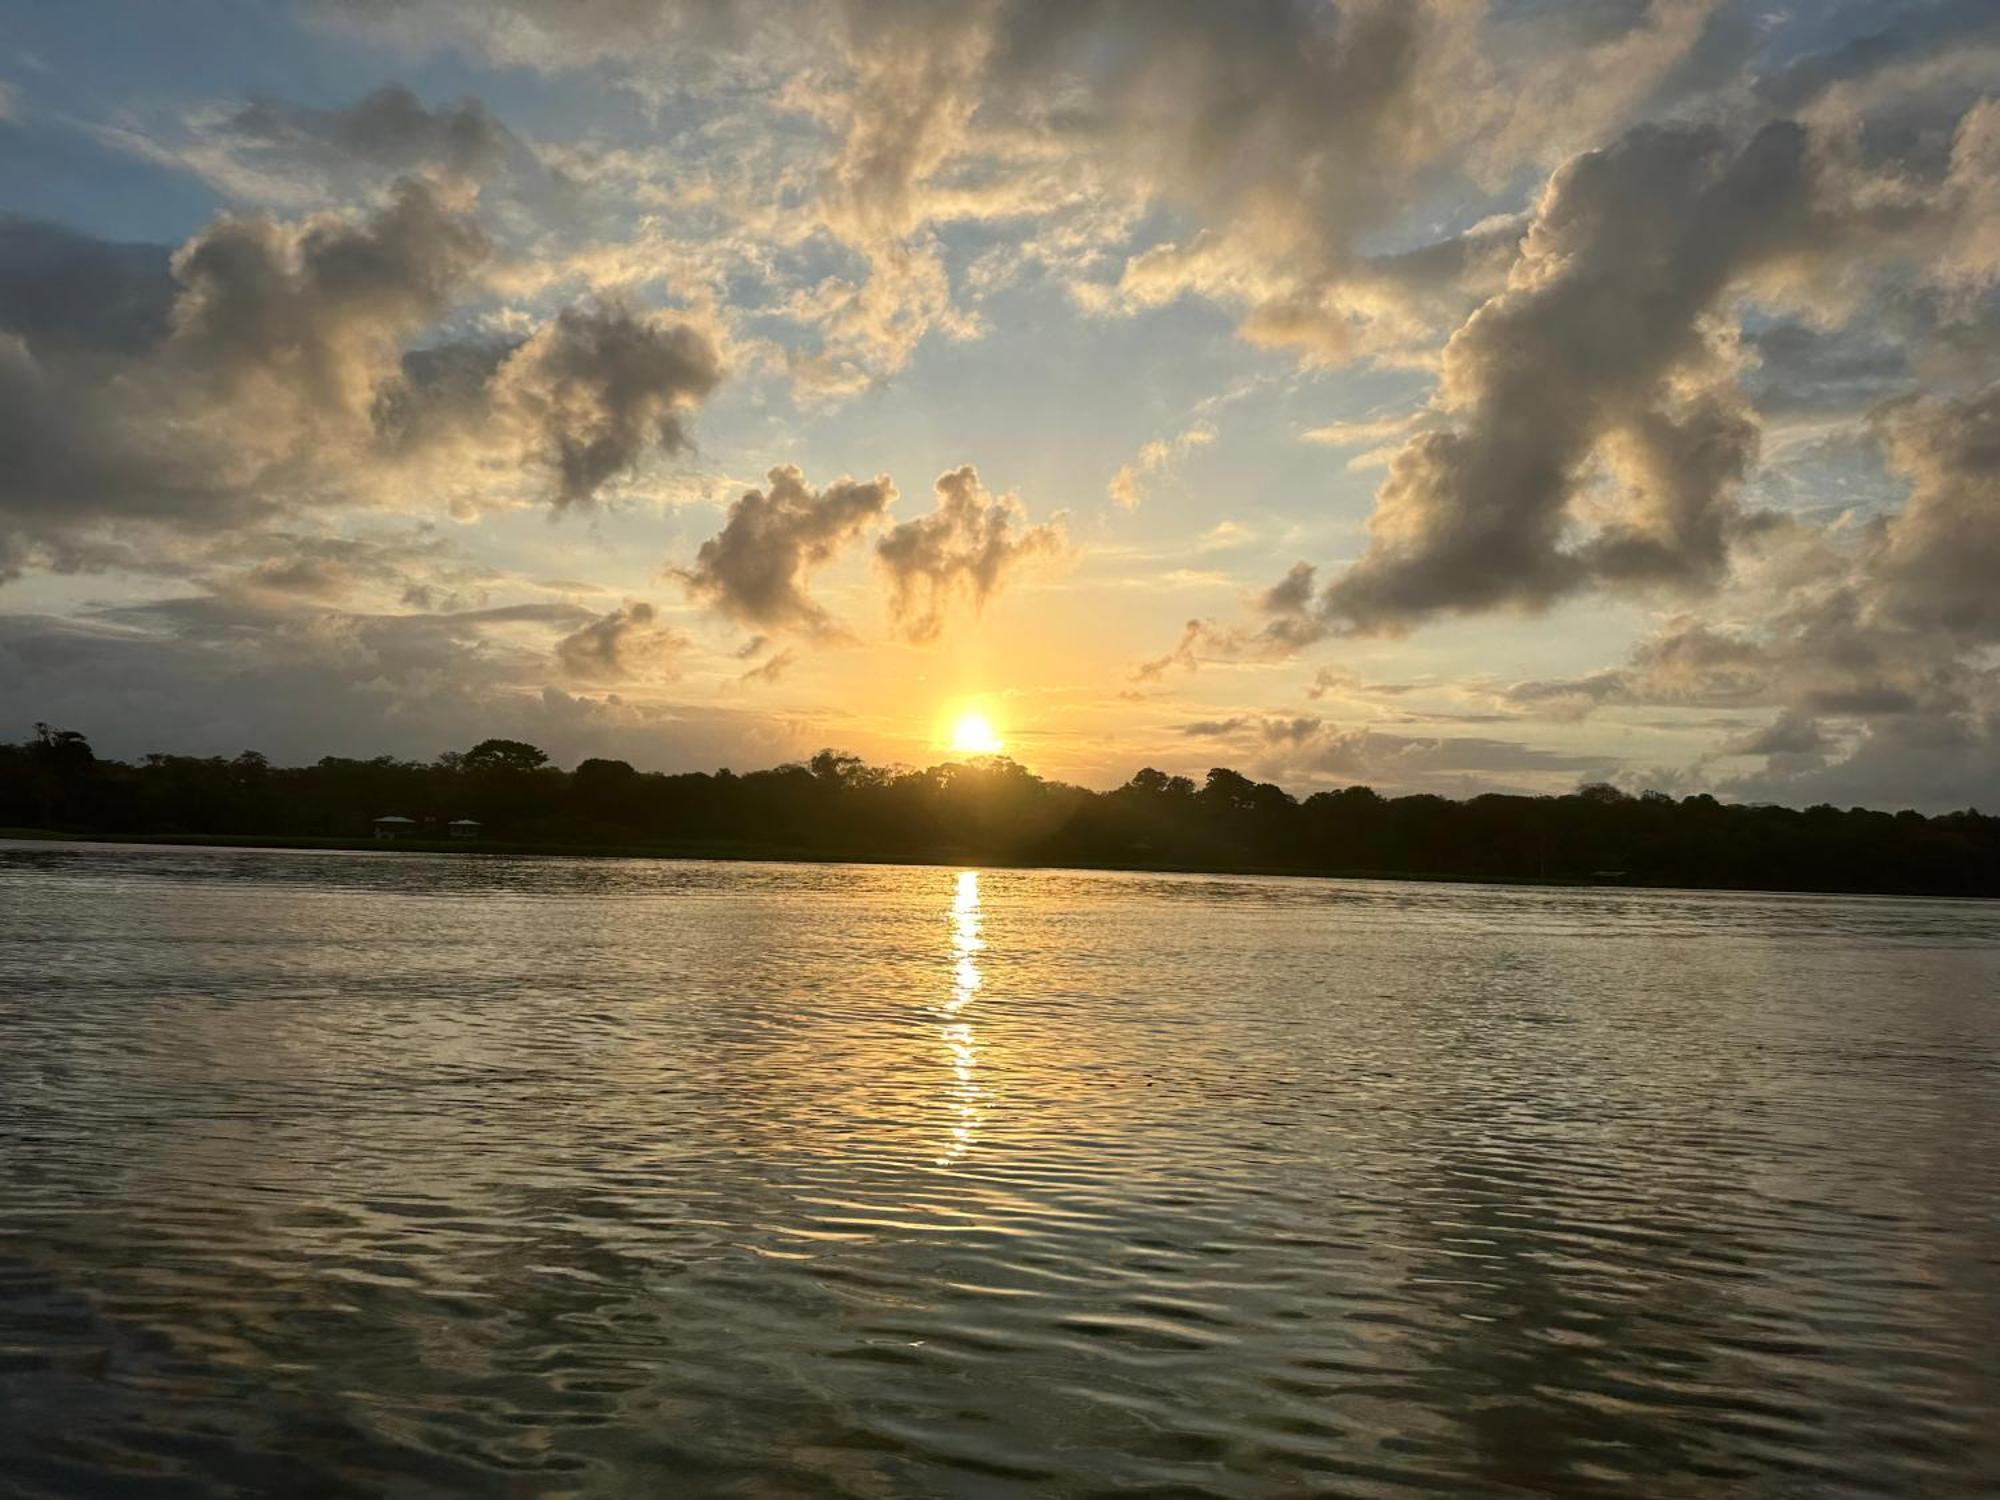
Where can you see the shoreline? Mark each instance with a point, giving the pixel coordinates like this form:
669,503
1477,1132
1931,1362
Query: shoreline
739,853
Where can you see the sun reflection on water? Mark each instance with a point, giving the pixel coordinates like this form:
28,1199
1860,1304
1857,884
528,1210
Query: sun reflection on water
965,1094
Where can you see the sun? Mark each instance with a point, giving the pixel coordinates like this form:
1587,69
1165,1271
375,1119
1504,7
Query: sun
972,734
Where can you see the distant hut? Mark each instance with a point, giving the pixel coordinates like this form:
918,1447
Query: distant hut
464,828
393,827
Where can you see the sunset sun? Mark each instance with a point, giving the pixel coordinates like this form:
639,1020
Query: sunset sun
972,734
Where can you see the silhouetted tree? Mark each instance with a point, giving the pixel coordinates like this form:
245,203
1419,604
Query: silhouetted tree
63,751
503,755
993,808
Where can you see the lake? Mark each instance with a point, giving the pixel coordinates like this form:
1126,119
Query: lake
440,1175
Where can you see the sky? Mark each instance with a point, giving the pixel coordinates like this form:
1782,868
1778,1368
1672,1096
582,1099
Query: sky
1438,395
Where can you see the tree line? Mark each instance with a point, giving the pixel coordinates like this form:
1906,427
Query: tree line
992,809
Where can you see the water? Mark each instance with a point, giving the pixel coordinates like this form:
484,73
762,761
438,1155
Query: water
396,1174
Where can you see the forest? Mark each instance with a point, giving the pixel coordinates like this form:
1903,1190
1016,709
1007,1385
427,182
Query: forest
990,809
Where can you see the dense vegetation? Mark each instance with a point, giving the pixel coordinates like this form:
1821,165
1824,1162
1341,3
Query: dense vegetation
991,809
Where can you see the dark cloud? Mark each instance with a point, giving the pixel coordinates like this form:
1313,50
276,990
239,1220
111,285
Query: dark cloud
1592,433
436,392
64,292
1207,729
390,128
628,642
75,460
1868,700
773,669
756,569
149,402
598,386
1268,729
584,398
1296,730
276,337
1940,556
1184,654
1789,734
963,549
1630,247
1291,594
317,308
1931,763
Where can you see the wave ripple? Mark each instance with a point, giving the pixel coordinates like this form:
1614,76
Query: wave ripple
444,1176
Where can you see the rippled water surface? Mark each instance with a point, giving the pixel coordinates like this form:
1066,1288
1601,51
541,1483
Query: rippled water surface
412,1175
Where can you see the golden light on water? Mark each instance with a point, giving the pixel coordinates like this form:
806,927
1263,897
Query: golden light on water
972,733
965,1095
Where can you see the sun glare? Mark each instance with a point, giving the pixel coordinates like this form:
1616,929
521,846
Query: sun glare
973,734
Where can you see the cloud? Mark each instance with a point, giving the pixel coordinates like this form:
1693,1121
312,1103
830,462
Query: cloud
390,129
964,549
1940,554
1358,434
1789,734
1285,128
1448,764
1183,654
583,398
417,566
1597,340
1589,431
1215,728
1306,747
315,309
1930,763
216,677
1341,683
152,400
64,292
597,386
1725,279
772,669
1917,35
628,642
1282,134
756,569
1873,641
1291,621
280,154
1684,664
541,35
1804,370
1127,486
274,340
